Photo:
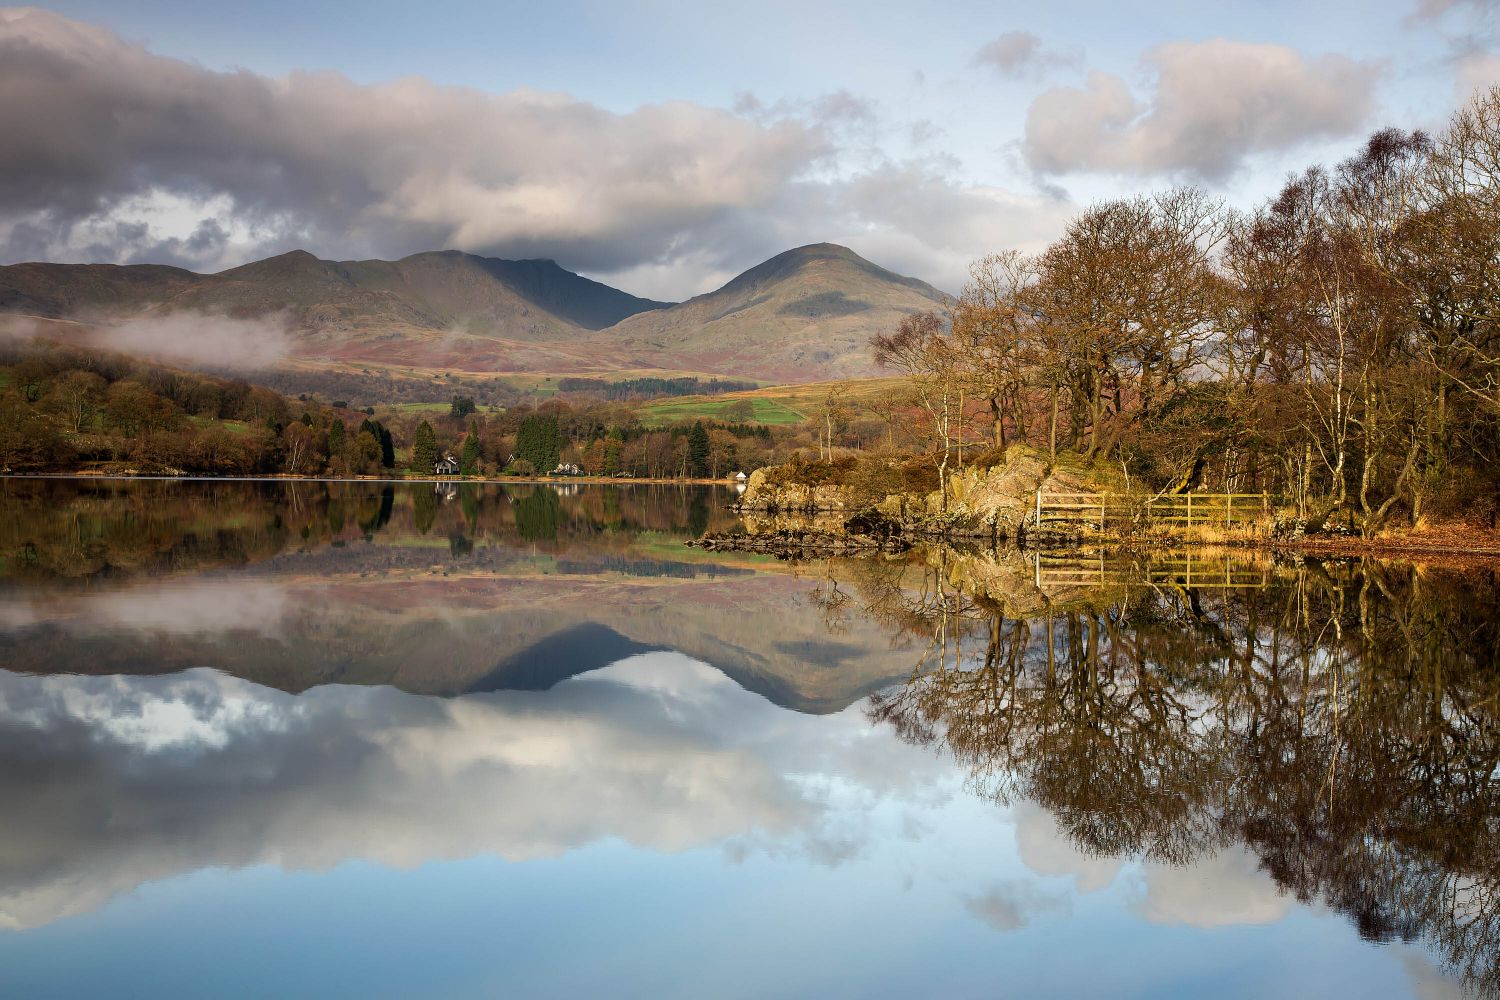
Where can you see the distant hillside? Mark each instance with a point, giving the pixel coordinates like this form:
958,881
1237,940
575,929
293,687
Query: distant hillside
520,299
803,315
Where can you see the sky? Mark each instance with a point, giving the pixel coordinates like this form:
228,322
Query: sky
664,147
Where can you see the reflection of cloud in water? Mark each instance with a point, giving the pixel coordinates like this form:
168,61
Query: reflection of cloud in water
110,782
1011,905
1428,982
1222,889
1047,851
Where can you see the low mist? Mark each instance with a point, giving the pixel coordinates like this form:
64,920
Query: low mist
187,339
201,340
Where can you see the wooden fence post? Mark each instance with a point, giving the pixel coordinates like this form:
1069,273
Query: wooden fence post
1038,506
1190,510
1228,508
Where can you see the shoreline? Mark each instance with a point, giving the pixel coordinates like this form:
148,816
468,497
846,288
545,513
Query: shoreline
456,480
1451,543
1483,547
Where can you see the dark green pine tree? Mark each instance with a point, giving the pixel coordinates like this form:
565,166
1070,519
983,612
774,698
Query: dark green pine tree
424,449
539,442
698,450
337,436
468,462
387,447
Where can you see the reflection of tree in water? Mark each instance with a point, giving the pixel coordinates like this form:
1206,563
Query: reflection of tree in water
537,515
468,500
75,530
424,504
1342,724
698,514
375,511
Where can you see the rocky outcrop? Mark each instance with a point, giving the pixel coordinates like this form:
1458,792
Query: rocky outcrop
762,493
992,503
998,501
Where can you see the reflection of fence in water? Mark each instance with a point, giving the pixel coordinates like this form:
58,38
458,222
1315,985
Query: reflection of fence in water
1188,509
1182,569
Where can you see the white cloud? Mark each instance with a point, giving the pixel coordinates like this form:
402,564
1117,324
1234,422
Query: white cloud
1214,104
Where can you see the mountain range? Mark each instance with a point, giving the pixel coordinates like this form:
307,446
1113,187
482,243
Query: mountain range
804,315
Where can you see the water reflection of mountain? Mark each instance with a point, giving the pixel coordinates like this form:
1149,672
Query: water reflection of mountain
147,578
1341,722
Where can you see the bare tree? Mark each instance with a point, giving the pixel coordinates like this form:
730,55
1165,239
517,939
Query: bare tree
920,348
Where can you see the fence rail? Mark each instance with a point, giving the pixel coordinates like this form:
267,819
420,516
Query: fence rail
1174,508
1224,572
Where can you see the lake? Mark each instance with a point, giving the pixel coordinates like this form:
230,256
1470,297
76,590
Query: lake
300,739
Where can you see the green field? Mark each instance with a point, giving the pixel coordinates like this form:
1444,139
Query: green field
232,426
672,411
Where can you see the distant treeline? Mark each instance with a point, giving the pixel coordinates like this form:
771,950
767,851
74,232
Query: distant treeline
649,388
65,409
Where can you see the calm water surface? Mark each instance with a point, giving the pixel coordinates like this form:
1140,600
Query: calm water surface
318,740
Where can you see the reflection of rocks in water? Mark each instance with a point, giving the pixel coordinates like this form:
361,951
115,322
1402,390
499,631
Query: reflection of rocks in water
801,545
1339,722
758,523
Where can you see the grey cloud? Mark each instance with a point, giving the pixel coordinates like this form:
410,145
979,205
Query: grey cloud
1017,54
1432,10
92,121
1215,104
116,154
923,131
1009,906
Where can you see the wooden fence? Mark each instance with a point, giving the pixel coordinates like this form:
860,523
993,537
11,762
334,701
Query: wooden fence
1168,569
1189,509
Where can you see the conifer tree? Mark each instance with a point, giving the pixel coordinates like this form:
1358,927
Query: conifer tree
698,447
469,459
424,448
337,439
